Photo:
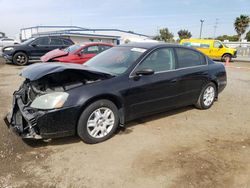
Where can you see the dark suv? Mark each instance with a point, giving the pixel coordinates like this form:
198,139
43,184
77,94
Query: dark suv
34,48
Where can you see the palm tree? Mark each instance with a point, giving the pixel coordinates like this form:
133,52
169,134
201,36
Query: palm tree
241,24
184,34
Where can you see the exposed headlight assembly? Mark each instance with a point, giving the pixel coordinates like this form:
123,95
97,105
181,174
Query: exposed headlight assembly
50,101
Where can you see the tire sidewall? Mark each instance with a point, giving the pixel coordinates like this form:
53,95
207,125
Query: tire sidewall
203,106
82,123
23,54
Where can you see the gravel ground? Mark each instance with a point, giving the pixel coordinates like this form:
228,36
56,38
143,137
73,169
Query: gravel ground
181,148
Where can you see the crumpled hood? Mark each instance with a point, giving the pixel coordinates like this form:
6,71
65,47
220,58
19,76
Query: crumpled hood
53,54
38,70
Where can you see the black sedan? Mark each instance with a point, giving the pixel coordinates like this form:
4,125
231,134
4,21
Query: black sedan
34,48
121,84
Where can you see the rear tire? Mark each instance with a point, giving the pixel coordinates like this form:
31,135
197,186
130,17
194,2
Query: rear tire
20,58
225,57
98,122
207,96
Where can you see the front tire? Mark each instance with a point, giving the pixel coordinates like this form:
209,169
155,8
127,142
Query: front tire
20,58
98,122
207,97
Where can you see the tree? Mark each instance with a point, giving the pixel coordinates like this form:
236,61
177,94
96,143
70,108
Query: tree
241,24
232,38
184,34
248,36
165,35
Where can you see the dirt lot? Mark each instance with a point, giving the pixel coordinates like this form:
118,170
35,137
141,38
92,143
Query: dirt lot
182,148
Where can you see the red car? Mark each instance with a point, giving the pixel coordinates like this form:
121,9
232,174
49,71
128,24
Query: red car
76,53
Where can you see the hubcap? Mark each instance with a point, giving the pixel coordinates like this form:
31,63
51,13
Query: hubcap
100,122
208,96
21,59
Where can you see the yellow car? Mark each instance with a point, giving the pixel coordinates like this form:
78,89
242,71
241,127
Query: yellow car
214,49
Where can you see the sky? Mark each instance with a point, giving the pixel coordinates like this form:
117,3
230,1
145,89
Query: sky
141,16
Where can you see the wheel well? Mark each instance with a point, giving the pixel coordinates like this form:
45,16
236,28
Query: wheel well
227,54
217,87
112,98
20,51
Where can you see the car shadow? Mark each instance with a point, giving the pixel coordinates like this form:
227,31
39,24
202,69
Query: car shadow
143,120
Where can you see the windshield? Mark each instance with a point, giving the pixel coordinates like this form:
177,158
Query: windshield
224,44
72,48
116,60
28,41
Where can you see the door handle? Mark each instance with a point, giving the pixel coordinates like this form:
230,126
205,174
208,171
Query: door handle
174,80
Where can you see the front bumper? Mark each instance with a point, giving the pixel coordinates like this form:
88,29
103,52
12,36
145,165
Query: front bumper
235,54
7,57
39,124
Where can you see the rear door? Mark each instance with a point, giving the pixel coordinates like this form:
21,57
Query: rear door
67,42
152,93
56,43
193,72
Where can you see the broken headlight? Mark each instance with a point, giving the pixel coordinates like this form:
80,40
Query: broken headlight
50,101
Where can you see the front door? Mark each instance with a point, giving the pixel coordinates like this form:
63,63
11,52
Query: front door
156,92
39,47
216,51
87,53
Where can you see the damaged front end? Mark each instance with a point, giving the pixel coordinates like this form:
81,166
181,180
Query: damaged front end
34,117
22,117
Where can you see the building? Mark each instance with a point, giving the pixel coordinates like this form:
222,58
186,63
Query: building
82,35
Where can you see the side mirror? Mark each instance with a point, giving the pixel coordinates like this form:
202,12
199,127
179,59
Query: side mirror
221,46
33,45
145,71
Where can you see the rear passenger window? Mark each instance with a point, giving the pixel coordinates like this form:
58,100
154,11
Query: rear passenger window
189,58
160,60
56,42
67,42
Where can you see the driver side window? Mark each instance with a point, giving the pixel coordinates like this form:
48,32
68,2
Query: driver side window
160,60
217,44
90,50
42,41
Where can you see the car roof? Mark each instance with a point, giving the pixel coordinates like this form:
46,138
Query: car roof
95,43
148,45
59,37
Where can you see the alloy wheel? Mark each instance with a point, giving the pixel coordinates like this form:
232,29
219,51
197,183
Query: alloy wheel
21,59
100,122
208,96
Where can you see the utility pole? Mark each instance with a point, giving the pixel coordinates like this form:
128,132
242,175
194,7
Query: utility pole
201,27
215,26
